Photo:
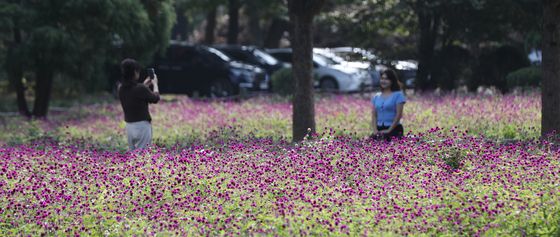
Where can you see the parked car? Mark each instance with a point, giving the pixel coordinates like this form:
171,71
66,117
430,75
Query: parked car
407,71
535,57
372,69
405,68
355,54
254,56
189,69
330,75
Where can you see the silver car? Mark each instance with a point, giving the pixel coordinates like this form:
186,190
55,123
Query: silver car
330,75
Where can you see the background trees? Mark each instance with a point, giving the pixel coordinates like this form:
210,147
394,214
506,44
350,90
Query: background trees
302,13
460,42
75,40
551,68
428,31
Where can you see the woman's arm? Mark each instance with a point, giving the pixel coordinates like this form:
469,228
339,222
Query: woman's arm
155,84
374,120
152,97
398,117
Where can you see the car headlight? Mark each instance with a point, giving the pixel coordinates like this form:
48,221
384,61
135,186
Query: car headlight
236,72
258,70
247,76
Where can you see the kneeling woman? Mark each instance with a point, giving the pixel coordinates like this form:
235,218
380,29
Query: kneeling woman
388,107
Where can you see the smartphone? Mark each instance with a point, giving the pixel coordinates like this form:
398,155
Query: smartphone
151,73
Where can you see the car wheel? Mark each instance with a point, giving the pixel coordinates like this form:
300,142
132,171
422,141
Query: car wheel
221,88
328,84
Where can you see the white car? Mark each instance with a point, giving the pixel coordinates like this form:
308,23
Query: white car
406,68
535,57
330,76
373,70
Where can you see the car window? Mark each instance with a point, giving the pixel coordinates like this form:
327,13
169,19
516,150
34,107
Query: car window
182,54
322,60
356,55
331,57
174,53
265,57
219,54
236,55
210,57
282,56
351,56
408,73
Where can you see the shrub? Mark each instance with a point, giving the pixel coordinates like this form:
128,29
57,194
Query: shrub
283,82
524,78
495,64
452,67
452,157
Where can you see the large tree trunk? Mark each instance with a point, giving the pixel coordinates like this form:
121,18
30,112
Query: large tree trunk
43,89
233,22
301,17
551,68
429,23
210,26
255,31
15,75
277,28
180,30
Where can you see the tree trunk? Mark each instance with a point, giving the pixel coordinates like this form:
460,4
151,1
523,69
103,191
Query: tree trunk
210,26
180,30
15,75
301,19
233,22
43,89
277,28
16,80
429,25
551,68
255,31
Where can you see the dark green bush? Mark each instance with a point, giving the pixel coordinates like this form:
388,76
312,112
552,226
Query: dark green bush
283,82
494,64
524,78
452,67
453,157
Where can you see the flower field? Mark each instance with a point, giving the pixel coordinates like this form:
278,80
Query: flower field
471,166
178,120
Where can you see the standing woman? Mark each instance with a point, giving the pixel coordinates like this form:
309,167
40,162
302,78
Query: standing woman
388,107
135,97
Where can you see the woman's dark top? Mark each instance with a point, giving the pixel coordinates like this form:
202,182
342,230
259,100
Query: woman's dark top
134,100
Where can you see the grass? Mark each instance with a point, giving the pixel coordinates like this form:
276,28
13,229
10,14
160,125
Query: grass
228,168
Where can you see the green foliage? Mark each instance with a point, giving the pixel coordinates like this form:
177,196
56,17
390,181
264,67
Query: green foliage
283,82
452,156
393,28
527,77
29,133
544,222
79,38
452,67
389,27
495,64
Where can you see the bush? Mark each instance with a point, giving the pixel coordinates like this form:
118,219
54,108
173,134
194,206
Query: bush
524,78
495,64
283,82
452,67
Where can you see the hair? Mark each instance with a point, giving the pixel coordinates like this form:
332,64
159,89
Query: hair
129,67
392,76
